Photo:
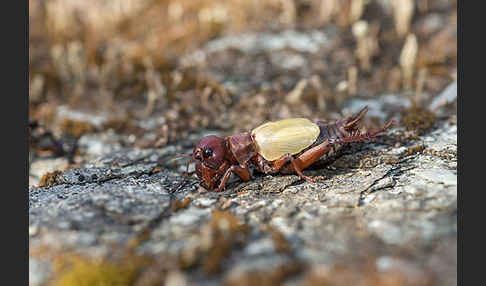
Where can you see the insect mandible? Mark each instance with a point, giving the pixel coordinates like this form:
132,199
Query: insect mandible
286,146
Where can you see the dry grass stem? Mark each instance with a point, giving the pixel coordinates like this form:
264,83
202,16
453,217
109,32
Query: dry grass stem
408,59
352,80
295,95
402,15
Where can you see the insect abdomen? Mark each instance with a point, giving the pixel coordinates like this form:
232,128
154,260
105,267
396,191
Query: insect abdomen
328,131
288,136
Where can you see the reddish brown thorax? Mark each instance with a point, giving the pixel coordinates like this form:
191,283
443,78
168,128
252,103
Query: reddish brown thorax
241,147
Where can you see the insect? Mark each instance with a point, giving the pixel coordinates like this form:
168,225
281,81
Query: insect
286,146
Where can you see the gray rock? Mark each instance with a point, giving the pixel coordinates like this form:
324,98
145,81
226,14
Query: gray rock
288,39
449,94
377,107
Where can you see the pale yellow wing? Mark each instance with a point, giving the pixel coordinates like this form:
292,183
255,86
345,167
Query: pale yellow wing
275,139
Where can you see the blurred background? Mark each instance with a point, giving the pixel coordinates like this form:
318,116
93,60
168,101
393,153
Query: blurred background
106,75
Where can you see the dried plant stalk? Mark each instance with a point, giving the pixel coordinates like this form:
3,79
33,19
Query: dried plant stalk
402,15
352,80
295,95
421,79
367,43
408,58
327,10
356,10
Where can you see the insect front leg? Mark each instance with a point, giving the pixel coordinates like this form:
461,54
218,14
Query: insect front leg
241,171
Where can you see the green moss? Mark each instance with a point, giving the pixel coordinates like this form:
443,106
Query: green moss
76,128
84,272
417,118
181,204
129,269
49,179
415,149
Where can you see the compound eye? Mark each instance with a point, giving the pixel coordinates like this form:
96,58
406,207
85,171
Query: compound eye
207,153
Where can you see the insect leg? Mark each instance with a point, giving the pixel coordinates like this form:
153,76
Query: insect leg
187,174
279,163
312,155
242,172
352,121
362,136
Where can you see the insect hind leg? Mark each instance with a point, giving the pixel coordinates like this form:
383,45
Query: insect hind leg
294,165
361,137
352,121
